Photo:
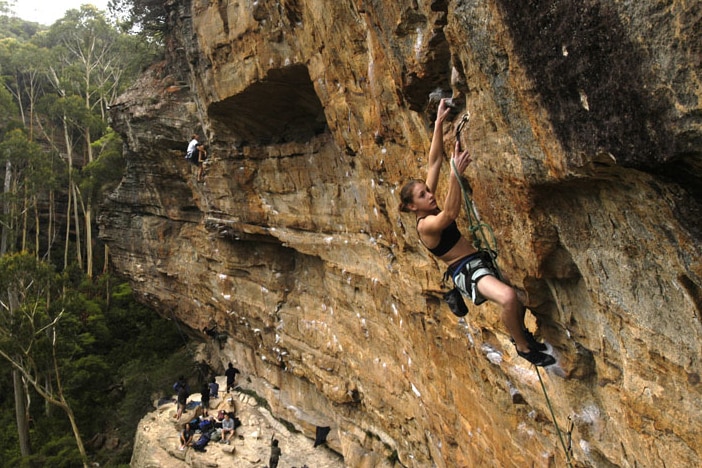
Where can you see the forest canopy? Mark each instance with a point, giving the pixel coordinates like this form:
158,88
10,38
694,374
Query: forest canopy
81,357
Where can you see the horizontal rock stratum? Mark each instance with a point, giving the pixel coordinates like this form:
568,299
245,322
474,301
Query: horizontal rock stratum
586,135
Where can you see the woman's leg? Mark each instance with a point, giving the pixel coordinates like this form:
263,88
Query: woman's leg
513,317
512,310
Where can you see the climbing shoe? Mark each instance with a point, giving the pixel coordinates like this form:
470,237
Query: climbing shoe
538,358
533,344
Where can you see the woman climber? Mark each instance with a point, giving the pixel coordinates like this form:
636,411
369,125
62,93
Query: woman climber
472,271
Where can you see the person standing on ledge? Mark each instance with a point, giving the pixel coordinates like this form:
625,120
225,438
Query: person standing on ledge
472,271
205,399
231,377
275,453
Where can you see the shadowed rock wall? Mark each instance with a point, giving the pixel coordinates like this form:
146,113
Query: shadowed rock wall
586,134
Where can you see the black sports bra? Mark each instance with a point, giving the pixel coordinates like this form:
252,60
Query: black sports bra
449,238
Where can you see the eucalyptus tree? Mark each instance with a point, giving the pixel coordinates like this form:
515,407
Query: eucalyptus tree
147,17
85,73
27,176
30,314
23,66
6,6
7,109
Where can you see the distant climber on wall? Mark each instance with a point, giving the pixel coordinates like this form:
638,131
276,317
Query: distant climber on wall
472,271
196,154
197,159
211,330
192,146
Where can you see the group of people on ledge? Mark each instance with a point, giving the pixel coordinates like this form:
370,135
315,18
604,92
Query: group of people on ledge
221,428
209,390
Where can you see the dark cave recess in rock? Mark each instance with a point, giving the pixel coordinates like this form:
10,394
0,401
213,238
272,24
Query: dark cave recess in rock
281,108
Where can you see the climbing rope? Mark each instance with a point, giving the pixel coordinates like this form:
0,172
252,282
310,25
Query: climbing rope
180,331
567,449
484,240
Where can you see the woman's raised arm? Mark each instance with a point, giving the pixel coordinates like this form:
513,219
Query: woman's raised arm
436,150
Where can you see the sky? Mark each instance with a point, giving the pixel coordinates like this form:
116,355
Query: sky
46,12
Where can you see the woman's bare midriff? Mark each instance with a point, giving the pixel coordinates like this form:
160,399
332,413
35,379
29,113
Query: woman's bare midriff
462,249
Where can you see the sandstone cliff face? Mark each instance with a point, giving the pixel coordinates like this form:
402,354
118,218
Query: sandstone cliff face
586,130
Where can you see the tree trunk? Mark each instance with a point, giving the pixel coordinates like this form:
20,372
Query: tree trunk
51,235
68,230
6,208
64,404
56,400
35,205
21,414
88,241
25,216
76,215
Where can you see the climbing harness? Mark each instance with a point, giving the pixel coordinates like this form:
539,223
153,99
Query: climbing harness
484,240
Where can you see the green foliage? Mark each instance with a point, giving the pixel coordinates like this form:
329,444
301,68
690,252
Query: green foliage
7,105
105,172
28,289
145,16
58,451
27,157
11,26
9,448
115,357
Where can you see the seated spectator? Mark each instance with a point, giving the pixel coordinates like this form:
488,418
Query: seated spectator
186,436
227,428
206,425
202,442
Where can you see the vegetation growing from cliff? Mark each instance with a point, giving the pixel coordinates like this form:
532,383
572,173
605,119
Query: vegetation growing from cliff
85,358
